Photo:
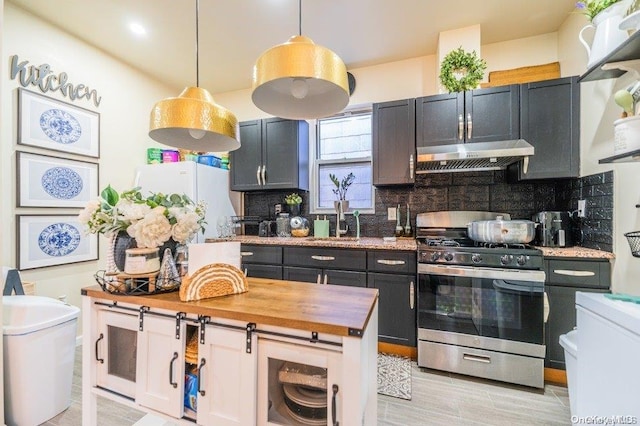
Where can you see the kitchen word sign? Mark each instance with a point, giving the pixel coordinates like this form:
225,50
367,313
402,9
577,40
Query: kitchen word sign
43,77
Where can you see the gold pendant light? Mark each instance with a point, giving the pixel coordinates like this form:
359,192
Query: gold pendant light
193,120
299,79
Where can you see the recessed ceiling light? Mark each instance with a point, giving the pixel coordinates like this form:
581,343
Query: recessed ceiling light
137,29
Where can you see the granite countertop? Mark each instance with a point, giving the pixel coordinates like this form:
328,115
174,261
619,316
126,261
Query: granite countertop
402,244
366,243
582,252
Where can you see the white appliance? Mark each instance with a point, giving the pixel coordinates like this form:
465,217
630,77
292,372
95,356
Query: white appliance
199,182
608,341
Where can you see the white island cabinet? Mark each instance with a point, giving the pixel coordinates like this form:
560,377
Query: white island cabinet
283,353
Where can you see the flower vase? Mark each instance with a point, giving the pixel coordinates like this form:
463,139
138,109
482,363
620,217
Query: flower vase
294,209
607,34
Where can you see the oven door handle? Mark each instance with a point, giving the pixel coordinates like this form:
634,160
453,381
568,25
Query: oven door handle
480,272
515,287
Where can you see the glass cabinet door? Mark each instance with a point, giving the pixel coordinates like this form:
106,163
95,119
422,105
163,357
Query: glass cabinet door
297,385
116,352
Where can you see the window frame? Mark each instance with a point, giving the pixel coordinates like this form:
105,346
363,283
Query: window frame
315,163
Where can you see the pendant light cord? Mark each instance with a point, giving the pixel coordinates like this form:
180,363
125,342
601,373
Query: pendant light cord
197,41
299,17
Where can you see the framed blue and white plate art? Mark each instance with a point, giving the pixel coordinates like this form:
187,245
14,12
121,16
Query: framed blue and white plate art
48,123
51,240
45,181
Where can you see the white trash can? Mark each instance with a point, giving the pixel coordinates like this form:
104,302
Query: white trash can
39,338
569,343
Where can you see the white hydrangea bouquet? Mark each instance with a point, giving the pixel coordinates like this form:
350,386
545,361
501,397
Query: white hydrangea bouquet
152,221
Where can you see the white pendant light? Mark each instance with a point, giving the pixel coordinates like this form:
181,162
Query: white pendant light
300,79
193,120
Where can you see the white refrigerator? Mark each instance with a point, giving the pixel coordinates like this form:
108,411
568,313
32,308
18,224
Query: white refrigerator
199,182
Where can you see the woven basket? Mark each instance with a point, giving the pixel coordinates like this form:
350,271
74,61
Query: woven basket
633,238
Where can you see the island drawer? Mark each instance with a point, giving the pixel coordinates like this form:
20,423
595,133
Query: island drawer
254,253
392,261
319,257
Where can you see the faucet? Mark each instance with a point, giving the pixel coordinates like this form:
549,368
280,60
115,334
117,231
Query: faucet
340,218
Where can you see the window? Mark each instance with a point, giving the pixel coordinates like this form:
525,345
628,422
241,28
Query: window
343,146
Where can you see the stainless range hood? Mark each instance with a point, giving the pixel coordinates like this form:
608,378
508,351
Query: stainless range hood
468,157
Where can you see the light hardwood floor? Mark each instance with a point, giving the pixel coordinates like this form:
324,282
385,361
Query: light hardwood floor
438,398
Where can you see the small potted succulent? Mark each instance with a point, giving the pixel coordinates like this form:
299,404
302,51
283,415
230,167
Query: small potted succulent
293,202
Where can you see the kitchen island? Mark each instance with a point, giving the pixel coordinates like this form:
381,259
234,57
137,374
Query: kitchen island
250,353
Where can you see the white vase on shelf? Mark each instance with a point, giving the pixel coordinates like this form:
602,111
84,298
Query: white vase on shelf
607,34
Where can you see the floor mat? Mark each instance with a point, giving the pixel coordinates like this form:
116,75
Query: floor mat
394,376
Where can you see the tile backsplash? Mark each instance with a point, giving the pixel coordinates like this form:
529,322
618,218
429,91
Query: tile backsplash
474,191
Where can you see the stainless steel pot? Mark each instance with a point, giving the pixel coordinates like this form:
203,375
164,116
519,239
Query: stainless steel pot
502,231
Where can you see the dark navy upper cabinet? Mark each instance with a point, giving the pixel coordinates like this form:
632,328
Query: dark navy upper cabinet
481,115
274,154
394,142
550,121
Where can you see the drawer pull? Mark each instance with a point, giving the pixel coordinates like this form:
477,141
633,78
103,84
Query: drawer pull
323,258
477,358
246,253
573,273
325,279
391,262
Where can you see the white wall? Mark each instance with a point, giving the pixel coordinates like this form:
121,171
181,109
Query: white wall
127,99
3,72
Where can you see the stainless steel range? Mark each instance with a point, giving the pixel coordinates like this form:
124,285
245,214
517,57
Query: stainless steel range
481,307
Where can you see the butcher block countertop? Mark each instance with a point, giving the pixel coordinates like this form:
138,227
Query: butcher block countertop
332,309
375,243
577,252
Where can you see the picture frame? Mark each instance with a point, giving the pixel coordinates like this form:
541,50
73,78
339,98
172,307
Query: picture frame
52,240
48,181
48,123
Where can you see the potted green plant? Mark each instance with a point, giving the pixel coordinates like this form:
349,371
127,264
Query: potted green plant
293,202
341,190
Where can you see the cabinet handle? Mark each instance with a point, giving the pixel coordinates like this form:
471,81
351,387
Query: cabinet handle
323,258
572,273
469,126
333,406
202,363
258,175
264,179
325,279
412,294
546,308
460,127
100,360
318,279
391,262
411,166
246,253
171,382
245,272
477,358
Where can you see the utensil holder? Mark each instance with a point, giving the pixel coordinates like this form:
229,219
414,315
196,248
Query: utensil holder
321,228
